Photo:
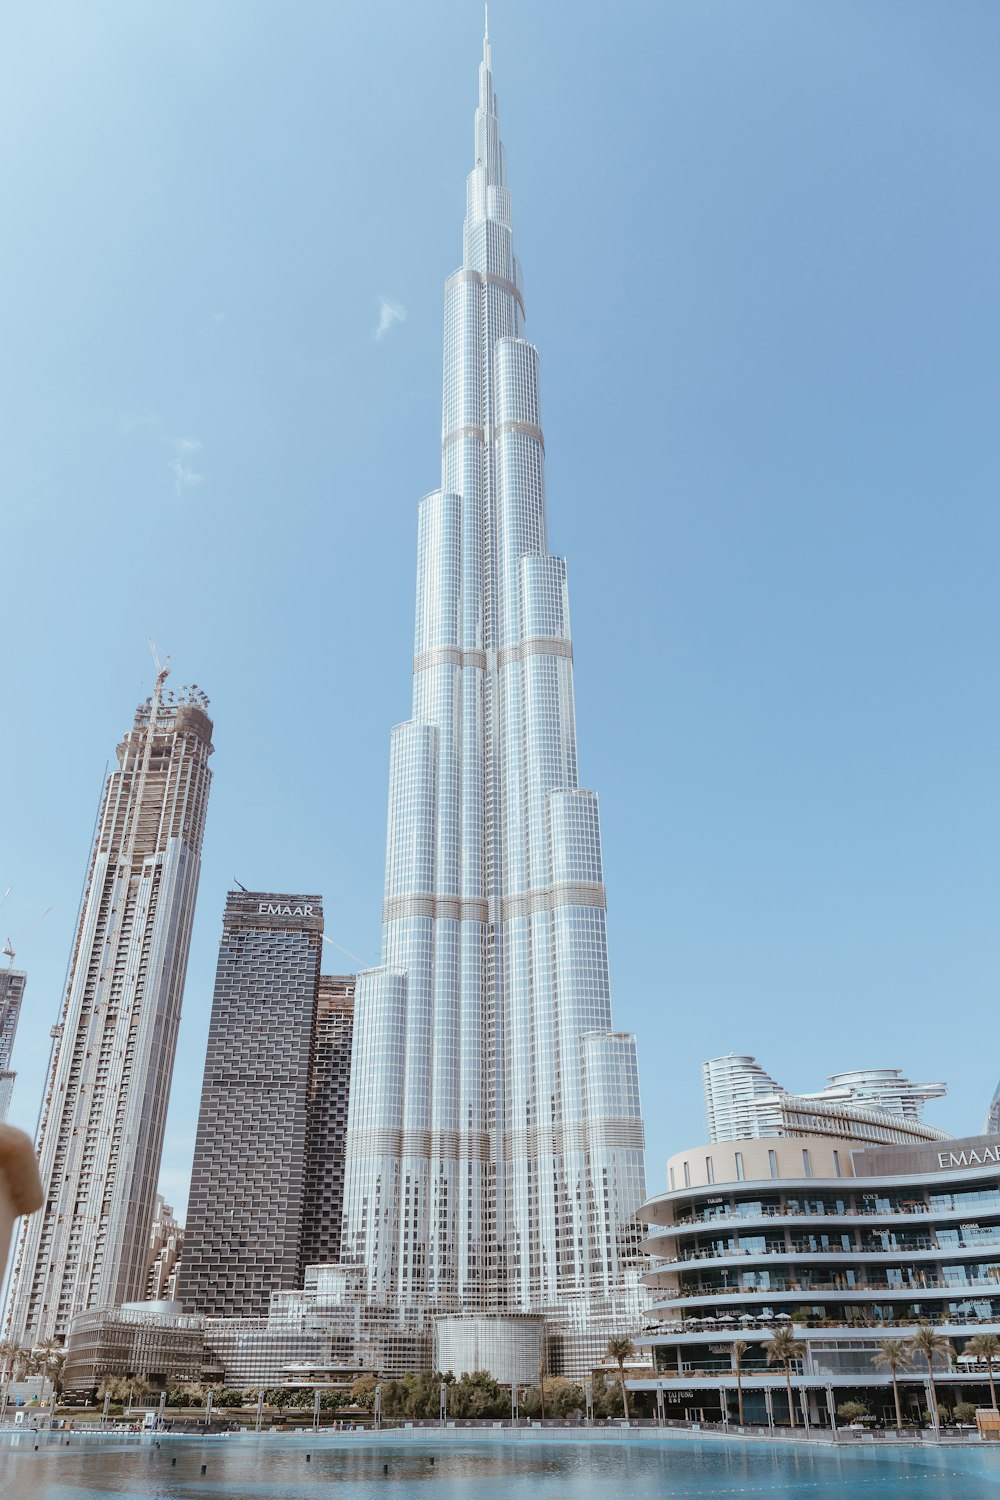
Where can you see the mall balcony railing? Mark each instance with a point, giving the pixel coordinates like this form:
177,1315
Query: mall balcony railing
737,1252
776,1288
905,1208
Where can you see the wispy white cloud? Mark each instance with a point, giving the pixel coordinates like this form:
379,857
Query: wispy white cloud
388,314
214,324
184,475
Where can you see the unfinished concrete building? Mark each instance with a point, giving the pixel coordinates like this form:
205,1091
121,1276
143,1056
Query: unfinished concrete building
109,1083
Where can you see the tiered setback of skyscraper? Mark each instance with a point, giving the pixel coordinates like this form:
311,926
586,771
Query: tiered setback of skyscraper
268,1163
106,1100
12,985
495,1144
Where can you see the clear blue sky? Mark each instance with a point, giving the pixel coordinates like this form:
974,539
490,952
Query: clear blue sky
759,244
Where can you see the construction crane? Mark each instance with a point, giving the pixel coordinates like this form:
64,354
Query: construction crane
9,950
162,669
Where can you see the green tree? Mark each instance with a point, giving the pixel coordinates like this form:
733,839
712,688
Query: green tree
781,1348
114,1388
565,1397
620,1350
930,1346
965,1411
852,1411
740,1347
477,1395
986,1348
893,1355
363,1392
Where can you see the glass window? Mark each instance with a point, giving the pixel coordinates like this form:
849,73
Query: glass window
772,1161
739,1166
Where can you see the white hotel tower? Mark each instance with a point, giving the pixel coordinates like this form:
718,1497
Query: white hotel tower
495,1144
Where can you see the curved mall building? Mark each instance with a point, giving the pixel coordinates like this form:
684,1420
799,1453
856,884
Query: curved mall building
847,1247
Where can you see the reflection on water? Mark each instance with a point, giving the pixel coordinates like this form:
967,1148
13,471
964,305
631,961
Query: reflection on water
247,1468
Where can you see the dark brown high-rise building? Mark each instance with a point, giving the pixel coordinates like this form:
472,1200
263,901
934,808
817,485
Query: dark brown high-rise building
329,1089
267,1182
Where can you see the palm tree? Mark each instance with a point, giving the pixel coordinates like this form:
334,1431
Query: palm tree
986,1347
56,1365
740,1347
620,1350
930,1345
45,1354
781,1348
9,1350
893,1355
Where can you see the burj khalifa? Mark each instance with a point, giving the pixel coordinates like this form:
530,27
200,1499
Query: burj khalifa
495,1141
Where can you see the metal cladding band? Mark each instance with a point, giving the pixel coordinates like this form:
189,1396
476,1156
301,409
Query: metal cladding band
551,897
495,1153
485,278
474,434
449,656
538,645
422,904
523,429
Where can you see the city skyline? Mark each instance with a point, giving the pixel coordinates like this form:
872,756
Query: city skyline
816,610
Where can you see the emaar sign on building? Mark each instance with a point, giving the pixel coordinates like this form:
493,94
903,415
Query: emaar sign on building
939,1156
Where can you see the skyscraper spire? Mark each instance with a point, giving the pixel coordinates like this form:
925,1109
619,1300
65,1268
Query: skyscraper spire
495,1155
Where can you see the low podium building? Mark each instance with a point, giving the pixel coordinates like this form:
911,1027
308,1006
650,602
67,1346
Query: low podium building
847,1247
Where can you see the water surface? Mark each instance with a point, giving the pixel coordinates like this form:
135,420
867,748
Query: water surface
249,1468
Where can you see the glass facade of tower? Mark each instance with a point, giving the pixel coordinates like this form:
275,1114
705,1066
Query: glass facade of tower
495,1147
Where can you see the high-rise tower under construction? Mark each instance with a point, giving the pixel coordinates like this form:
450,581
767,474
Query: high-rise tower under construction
109,1082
